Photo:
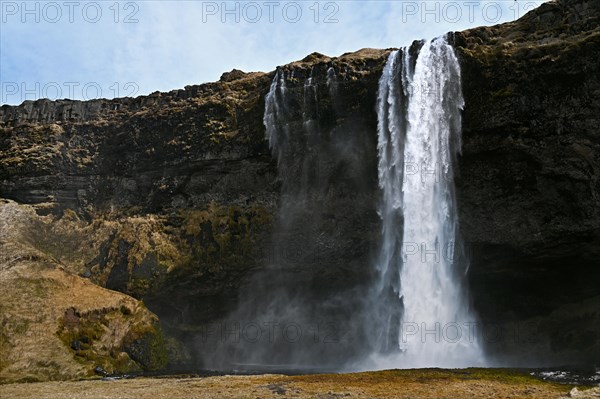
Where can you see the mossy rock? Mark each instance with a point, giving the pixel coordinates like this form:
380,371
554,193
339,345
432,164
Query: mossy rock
143,346
147,347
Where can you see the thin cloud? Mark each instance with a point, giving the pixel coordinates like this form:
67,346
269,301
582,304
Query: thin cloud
177,43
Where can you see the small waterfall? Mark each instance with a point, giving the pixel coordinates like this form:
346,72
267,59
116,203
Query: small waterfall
301,312
422,312
332,82
310,107
275,116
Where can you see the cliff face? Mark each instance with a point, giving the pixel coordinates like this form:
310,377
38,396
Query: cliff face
176,194
529,188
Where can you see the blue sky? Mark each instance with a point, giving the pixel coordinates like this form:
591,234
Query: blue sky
92,49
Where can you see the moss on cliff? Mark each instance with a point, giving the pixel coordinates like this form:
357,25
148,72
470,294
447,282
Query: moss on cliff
221,236
147,346
86,335
118,340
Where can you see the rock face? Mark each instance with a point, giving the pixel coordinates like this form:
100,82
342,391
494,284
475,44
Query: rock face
175,195
57,325
530,188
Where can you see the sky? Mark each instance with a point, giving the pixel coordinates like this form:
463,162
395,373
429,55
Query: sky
108,48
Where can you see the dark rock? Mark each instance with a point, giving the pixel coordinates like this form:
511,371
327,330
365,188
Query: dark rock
234,74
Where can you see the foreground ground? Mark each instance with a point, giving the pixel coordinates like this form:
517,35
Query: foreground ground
413,384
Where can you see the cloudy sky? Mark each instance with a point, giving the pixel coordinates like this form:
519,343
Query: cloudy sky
92,49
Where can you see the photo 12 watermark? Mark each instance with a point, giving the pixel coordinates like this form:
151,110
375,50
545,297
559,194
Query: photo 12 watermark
53,12
270,332
17,92
431,252
253,12
454,332
464,11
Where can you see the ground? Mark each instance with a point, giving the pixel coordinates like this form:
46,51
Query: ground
413,384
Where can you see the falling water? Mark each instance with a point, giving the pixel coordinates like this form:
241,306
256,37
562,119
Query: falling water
417,308
303,315
332,82
419,126
311,104
274,116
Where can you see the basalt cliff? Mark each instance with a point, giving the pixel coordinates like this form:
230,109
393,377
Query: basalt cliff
129,225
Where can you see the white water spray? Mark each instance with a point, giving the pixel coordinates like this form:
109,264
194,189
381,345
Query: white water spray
274,117
419,126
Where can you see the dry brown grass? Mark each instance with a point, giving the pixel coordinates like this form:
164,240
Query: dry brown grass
36,292
409,384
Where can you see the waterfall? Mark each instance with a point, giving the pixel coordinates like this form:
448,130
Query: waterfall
422,311
332,82
274,117
293,313
310,106
415,314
